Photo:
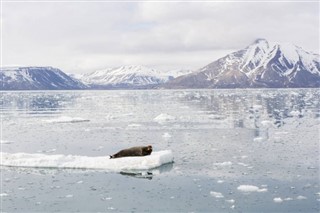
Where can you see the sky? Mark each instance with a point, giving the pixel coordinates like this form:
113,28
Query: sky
82,37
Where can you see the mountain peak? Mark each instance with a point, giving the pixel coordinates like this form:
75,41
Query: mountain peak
260,40
261,64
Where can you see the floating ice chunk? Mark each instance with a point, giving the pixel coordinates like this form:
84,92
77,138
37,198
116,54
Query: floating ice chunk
294,113
300,197
258,139
227,163
288,199
69,196
154,160
66,119
163,118
216,194
106,198
277,200
251,188
230,201
166,135
4,195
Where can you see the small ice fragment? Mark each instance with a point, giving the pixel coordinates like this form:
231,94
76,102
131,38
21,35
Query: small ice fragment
230,201
166,135
106,198
69,196
300,197
288,199
163,118
3,195
220,181
216,194
251,188
258,139
227,163
243,164
277,200
79,182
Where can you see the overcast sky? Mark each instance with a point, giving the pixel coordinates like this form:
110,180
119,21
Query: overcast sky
80,37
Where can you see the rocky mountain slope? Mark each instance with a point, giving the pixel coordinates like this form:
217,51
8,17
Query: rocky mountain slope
37,78
262,64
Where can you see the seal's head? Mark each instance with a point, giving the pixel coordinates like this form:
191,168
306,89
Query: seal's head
147,150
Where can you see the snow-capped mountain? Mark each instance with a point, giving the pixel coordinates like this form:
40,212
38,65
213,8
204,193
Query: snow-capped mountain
36,78
133,76
262,64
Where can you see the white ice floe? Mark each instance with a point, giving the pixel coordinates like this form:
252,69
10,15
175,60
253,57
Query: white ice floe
66,119
166,135
277,200
163,118
231,201
227,163
251,188
154,160
216,194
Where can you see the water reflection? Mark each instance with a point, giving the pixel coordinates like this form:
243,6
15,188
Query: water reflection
37,102
272,105
149,173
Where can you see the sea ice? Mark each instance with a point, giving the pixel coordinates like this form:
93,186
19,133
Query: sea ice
154,160
251,188
163,118
227,163
300,197
216,194
277,200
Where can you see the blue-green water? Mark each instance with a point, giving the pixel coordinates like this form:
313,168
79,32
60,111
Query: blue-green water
224,142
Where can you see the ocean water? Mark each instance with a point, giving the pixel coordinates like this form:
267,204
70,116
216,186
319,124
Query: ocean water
234,150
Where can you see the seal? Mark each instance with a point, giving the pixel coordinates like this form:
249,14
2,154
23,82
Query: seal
133,151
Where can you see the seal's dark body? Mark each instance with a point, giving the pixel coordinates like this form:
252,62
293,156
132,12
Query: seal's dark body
133,151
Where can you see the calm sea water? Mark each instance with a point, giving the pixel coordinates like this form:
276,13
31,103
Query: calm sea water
234,150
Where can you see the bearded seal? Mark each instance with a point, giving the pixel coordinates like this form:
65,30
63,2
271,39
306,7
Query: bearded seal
133,151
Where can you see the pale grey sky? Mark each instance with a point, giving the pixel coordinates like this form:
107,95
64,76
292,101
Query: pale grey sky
80,37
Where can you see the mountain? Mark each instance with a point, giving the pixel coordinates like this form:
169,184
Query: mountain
262,64
125,77
37,78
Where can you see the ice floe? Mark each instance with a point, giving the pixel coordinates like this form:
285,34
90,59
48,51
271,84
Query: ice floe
251,188
216,194
227,163
164,118
277,200
154,160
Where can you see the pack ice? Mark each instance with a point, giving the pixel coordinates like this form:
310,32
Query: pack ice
154,160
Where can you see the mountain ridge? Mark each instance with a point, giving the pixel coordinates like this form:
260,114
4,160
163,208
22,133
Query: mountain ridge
261,64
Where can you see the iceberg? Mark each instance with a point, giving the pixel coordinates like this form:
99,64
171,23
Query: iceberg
156,159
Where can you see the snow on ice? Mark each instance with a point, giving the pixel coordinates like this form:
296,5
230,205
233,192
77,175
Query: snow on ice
251,188
154,160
